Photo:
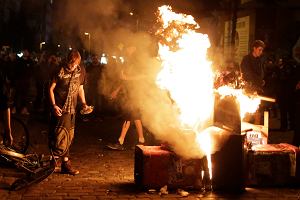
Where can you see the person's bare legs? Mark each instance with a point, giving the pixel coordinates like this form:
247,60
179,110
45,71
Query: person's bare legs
139,129
124,131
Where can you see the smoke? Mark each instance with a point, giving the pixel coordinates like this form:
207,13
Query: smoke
112,31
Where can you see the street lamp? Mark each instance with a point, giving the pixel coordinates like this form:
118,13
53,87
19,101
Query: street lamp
136,20
88,34
41,45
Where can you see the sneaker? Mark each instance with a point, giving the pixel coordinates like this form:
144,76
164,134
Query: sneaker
66,168
116,146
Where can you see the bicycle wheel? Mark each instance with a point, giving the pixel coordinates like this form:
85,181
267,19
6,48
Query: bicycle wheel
20,135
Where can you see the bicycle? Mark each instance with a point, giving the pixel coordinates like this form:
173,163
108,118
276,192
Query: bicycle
36,167
19,133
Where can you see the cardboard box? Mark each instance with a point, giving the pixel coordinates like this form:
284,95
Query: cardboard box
273,165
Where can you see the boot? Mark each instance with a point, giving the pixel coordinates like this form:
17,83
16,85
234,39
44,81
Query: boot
66,168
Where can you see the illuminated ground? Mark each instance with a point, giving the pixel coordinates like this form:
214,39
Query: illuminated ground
108,174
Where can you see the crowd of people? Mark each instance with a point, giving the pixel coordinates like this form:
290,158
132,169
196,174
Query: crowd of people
47,85
59,85
52,84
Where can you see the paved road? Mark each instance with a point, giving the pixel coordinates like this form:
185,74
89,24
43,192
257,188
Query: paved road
108,174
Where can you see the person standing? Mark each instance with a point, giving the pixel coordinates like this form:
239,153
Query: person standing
285,94
252,67
24,79
65,87
130,78
6,101
296,78
253,72
94,71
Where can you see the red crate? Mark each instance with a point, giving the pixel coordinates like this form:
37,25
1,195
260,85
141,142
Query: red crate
151,166
156,167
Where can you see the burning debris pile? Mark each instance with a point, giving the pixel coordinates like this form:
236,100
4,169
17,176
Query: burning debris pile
187,76
206,121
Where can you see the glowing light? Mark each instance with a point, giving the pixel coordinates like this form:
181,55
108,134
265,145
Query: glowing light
186,73
122,59
247,103
204,139
103,59
20,54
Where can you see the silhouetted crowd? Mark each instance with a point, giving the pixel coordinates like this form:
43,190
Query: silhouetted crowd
29,76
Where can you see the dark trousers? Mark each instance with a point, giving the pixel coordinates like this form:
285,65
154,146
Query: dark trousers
61,134
287,113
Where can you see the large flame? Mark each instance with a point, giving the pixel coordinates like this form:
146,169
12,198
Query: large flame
186,73
187,76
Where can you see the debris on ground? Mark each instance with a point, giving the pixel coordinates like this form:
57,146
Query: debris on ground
182,193
151,191
163,190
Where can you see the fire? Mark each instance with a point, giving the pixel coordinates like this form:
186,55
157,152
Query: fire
186,73
205,142
247,103
187,76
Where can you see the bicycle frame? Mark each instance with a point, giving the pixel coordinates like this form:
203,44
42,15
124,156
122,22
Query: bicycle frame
37,168
19,133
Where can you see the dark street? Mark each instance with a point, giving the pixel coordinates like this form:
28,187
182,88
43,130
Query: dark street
106,174
161,99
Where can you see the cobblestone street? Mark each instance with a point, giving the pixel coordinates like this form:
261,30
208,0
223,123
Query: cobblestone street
106,174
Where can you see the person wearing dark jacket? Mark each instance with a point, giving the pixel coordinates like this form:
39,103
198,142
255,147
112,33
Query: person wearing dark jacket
252,67
253,73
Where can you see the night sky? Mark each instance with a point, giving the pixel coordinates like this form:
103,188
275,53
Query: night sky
27,23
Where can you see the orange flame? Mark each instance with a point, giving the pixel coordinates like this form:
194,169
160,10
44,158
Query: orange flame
204,139
247,103
186,73
187,76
